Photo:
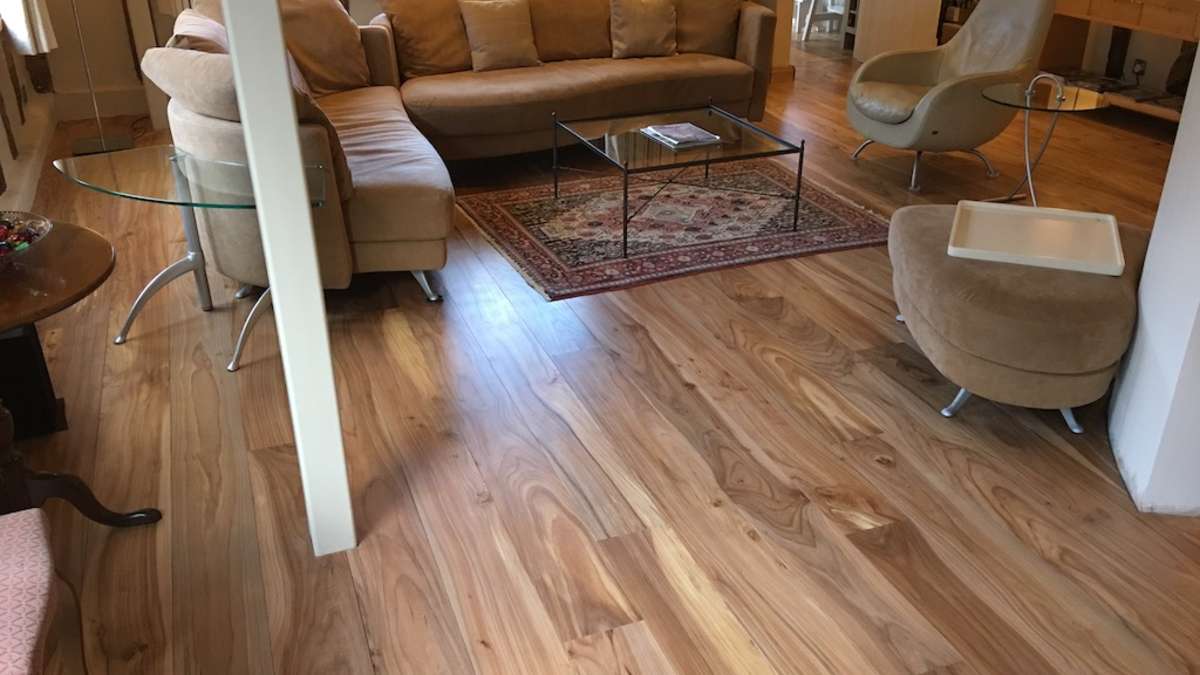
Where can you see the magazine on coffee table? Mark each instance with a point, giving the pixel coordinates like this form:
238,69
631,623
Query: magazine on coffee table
681,136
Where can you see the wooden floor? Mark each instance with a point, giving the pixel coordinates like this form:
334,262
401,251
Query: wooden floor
739,472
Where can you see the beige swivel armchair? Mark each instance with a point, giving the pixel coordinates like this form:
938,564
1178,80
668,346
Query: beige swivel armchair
932,100
389,202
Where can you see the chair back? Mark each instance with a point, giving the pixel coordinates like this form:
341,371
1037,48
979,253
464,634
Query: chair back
999,35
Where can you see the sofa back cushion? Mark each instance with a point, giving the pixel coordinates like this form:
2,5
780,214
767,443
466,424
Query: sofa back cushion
571,29
430,36
643,28
707,26
324,40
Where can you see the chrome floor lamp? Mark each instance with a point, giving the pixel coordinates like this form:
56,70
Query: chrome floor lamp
100,142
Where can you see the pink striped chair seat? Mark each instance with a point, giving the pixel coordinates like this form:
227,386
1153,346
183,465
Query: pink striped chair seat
26,578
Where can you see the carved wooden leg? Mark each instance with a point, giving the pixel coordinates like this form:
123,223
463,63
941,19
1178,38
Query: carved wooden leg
22,488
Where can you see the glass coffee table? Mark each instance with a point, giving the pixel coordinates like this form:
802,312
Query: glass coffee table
621,143
163,174
1044,93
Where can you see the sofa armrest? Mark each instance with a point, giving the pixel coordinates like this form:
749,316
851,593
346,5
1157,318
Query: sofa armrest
381,53
756,41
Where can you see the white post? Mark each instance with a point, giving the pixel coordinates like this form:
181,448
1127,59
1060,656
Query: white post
273,147
1154,423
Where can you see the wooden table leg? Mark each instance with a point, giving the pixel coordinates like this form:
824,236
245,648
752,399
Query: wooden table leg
23,488
26,387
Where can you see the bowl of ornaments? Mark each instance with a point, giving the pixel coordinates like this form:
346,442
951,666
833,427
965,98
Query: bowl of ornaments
20,232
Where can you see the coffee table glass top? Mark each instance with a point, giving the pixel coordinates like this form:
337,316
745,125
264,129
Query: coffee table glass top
1045,98
621,142
163,174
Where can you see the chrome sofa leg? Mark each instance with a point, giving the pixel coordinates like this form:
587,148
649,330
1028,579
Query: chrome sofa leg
1072,423
858,153
915,184
959,401
244,291
899,318
260,307
426,288
987,163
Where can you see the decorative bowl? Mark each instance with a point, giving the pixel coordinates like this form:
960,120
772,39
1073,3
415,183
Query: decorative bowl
19,232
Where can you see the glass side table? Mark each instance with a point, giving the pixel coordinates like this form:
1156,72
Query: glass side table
1044,93
142,174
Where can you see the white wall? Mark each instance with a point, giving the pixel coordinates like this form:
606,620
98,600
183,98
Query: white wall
1154,422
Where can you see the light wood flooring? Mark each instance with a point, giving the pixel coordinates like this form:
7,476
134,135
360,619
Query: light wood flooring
740,472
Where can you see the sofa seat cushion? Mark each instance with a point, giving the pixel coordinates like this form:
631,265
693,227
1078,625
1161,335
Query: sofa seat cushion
524,99
887,102
402,190
26,575
1031,318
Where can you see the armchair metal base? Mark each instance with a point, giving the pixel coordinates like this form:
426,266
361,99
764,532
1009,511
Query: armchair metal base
914,184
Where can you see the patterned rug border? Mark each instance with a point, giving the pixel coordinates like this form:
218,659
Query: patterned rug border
475,207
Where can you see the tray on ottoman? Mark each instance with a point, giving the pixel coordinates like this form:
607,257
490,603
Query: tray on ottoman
1038,237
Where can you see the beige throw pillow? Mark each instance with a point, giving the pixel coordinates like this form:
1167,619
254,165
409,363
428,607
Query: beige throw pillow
643,28
500,33
324,40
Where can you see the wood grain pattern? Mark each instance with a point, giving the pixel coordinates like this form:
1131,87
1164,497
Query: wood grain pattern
737,472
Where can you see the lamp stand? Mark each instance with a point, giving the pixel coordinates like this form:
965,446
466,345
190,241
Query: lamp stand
99,143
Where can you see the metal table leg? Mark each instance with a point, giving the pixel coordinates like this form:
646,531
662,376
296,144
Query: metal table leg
554,130
1032,162
799,185
192,261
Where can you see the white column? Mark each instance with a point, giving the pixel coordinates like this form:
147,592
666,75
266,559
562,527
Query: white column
273,147
1154,423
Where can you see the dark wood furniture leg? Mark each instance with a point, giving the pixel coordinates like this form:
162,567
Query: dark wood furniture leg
25,385
23,488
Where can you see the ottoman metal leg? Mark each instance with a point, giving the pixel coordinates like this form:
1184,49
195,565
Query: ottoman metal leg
1072,423
959,401
426,287
915,184
899,318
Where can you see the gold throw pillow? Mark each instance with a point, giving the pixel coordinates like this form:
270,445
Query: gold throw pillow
500,33
324,40
643,28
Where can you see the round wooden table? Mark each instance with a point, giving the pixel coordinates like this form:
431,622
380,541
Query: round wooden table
54,274
57,272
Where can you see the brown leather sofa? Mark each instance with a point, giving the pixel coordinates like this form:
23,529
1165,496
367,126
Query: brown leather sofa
468,114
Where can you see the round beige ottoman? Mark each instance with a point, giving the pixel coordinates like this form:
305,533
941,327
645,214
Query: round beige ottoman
1020,335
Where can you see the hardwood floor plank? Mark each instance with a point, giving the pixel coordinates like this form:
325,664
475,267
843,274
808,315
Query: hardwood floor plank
628,650
985,639
131,635
316,626
499,609
221,621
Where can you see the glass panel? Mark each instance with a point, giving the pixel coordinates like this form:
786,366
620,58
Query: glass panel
621,141
1044,97
164,175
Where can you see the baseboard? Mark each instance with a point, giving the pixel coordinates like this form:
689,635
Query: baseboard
783,73
77,105
33,143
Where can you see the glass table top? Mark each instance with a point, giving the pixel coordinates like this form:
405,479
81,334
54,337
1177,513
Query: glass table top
621,141
162,174
1044,97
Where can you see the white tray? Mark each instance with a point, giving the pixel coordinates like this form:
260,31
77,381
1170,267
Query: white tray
1024,235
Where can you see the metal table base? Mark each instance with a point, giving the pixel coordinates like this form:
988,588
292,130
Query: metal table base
192,262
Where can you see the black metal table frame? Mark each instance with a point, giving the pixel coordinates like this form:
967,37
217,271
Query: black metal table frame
626,172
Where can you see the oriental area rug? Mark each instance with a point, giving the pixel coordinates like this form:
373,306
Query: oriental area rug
681,224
